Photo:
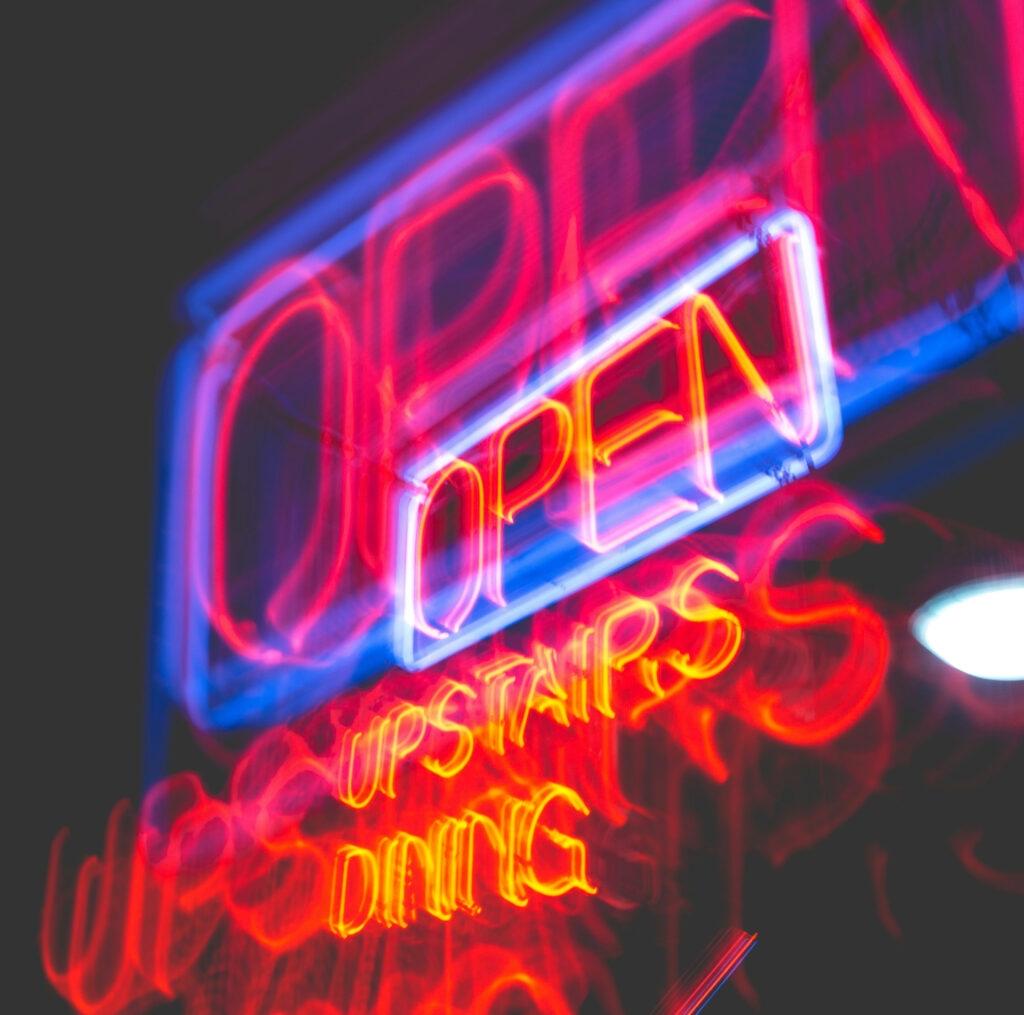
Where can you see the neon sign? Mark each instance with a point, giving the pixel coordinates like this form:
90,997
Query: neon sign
513,247
577,273
344,488
678,462
441,799
424,427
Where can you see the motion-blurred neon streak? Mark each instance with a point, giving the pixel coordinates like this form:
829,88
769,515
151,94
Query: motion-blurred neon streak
974,201
696,987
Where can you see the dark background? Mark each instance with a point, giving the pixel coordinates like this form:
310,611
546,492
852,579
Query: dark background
146,146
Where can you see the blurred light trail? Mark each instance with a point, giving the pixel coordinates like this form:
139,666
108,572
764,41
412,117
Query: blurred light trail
696,987
975,203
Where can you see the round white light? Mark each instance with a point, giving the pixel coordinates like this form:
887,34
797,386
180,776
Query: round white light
977,627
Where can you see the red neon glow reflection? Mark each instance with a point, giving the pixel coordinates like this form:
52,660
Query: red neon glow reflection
468,803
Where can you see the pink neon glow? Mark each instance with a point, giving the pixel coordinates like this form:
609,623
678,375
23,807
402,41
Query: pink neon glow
511,290
791,31
574,115
336,417
1013,33
974,201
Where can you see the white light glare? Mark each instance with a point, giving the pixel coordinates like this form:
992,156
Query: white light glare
977,627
